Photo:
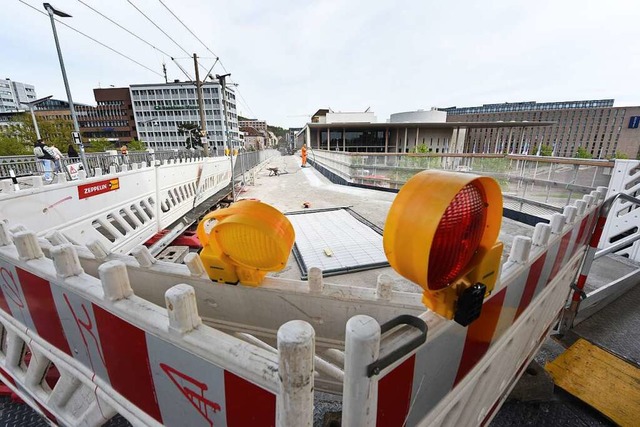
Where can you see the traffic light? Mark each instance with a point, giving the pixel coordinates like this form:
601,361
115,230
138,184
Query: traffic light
441,233
247,240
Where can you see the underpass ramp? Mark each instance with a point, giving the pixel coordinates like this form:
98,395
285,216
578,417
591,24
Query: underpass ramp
606,382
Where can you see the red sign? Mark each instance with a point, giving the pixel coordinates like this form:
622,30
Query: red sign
90,190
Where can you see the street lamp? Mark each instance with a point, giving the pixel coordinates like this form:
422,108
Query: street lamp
52,11
145,124
33,116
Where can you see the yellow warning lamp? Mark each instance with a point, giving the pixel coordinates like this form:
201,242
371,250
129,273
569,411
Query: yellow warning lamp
248,240
441,233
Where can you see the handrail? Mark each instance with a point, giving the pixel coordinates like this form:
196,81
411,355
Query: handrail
569,313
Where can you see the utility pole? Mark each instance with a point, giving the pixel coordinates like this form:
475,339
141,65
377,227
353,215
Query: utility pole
223,83
164,71
203,121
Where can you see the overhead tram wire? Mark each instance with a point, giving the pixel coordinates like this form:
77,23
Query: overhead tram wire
139,38
92,39
156,25
169,37
212,52
123,28
188,29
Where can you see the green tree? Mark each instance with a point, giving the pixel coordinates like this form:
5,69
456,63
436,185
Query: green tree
545,150
422,148
99,145
620,155
57,131
136,145
192,131
11,146
582,153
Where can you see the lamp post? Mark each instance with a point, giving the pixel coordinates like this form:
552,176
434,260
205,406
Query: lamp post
52,11
33,116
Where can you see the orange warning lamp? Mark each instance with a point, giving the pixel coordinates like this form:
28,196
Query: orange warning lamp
248,240
441,233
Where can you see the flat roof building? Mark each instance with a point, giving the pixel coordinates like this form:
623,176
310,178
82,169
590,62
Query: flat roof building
160,108
427,132
112,118
253,123
596,126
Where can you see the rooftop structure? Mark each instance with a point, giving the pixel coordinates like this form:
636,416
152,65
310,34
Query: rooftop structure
407,132
329,116
528,106
253,123
596,127
160,108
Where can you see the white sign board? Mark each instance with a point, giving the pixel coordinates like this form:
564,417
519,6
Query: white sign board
73,170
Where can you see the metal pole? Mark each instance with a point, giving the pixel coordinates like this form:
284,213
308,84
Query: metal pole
223,82
35,123
76,127
203,122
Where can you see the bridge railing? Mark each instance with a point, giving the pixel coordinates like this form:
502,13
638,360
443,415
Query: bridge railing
549,182
106,162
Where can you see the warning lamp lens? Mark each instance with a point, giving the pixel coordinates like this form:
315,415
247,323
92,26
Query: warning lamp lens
458,236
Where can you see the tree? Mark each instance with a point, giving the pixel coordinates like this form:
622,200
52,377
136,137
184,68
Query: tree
136,145
422,148
11,146
194,138
545,150
582,153
99,145
620,155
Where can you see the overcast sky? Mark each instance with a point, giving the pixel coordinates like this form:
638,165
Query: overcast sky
292,57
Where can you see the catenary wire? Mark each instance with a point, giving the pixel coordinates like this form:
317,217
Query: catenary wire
123,28
157,26
91,38
244,101
188,29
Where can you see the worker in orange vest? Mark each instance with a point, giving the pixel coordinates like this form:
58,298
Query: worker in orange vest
304,155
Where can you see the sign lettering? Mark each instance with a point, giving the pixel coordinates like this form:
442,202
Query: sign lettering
101,187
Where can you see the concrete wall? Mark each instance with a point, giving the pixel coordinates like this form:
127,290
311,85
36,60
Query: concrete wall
350,118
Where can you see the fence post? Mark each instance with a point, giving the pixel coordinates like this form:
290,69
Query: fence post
360,392
296,350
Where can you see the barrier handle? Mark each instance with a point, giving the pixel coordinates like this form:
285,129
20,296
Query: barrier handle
405,319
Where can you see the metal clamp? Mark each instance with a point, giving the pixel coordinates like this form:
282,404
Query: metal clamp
582,294
405,319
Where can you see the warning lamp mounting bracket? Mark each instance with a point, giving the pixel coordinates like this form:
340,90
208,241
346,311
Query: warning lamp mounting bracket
469,305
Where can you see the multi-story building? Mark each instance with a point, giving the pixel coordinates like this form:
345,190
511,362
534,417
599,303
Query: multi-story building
160,108
253,138
594,125
407,132
13,94
251,123
112,118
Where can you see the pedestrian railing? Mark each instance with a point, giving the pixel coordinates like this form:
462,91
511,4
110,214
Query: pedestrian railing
549,182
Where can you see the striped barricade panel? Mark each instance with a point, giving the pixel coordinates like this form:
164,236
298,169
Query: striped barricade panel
408,392
168,383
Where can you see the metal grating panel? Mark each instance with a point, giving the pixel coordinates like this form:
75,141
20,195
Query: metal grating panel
354,243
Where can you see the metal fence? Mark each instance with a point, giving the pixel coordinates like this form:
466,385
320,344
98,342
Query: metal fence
29,165
547,183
